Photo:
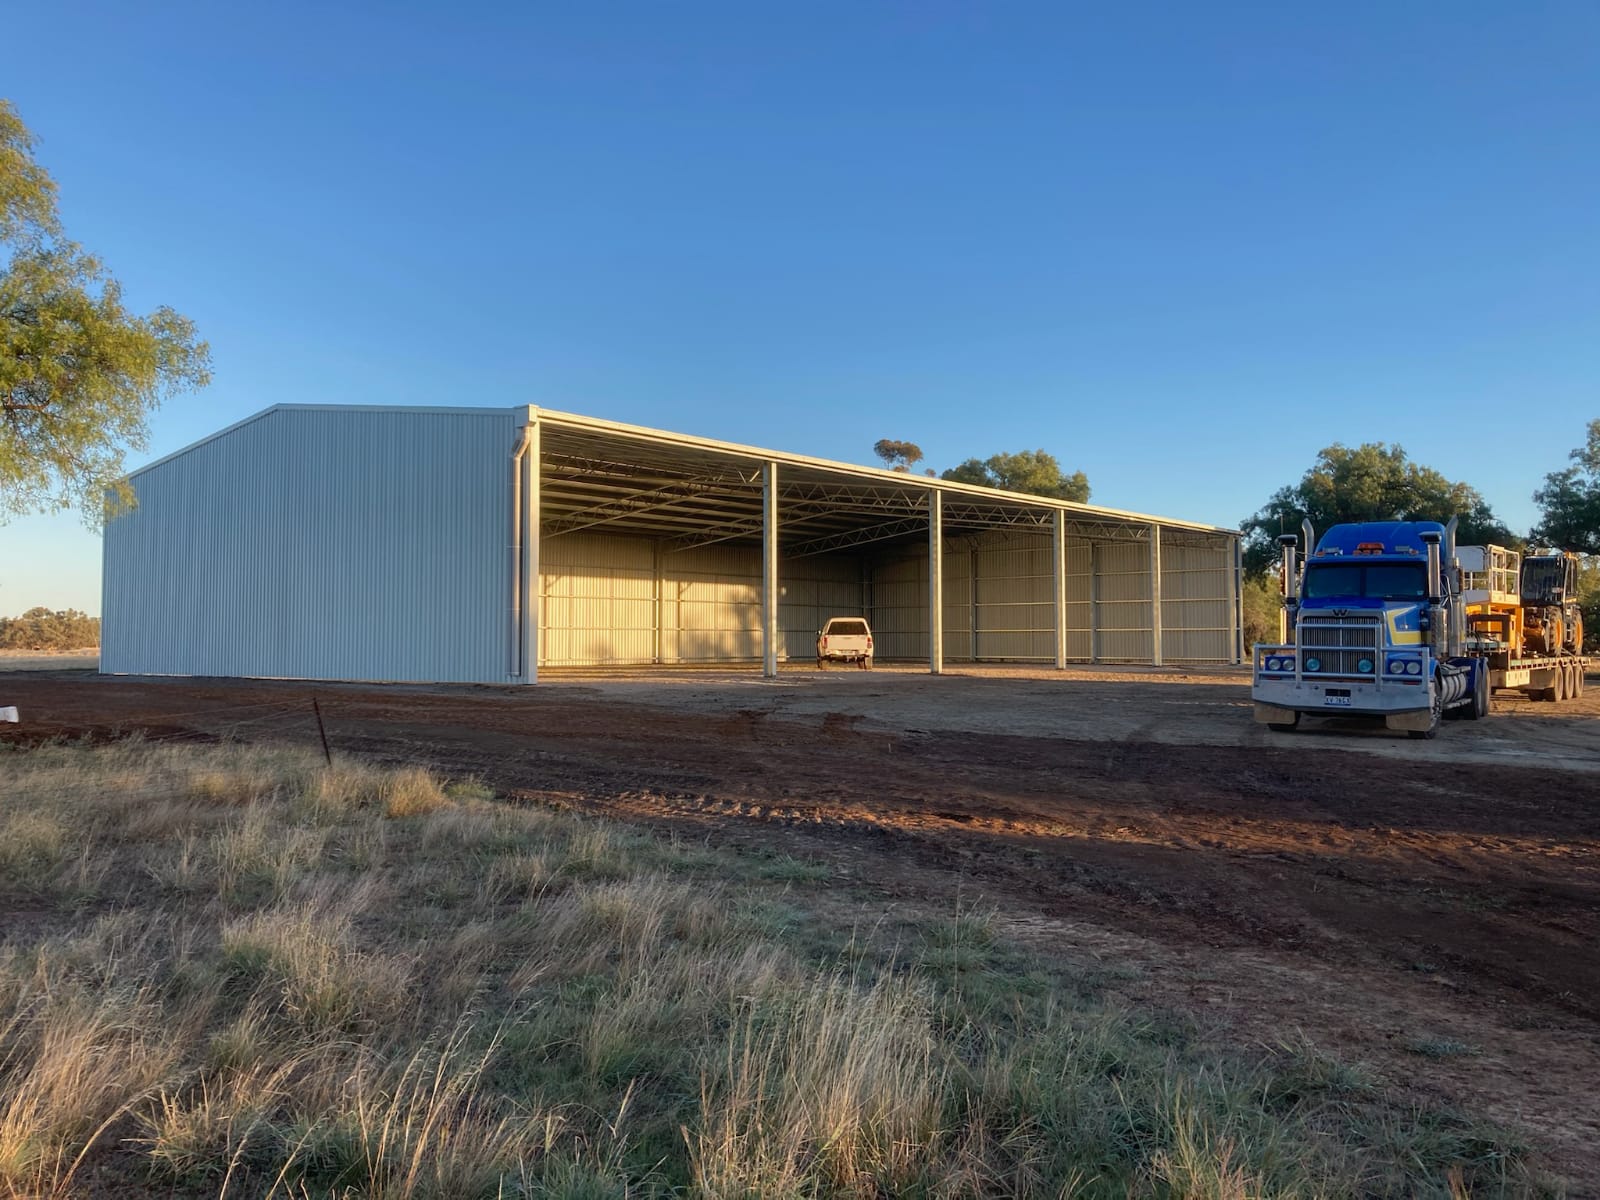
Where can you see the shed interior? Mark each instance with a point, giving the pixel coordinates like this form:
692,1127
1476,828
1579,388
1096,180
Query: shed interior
651,549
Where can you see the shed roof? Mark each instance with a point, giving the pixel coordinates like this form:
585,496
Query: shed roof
694,491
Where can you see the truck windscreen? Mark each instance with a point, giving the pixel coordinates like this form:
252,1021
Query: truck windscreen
1371,581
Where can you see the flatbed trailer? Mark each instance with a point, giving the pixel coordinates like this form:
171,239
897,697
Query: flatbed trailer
1555,679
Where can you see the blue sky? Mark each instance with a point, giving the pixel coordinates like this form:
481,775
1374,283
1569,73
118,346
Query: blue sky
1182,247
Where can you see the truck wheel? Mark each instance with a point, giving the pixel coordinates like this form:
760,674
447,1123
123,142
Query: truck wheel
1480,697
1432,731
1560,688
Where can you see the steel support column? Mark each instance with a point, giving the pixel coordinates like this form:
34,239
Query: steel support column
1094,602
935,582
1155,595
769,570
528,583
1236,636
1058,560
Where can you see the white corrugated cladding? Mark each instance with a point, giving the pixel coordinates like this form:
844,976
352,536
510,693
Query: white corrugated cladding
607,599
320,543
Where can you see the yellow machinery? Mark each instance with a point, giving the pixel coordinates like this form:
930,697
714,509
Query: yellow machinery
1522,614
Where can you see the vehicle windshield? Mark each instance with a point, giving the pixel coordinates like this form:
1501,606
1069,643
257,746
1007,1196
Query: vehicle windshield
1371,581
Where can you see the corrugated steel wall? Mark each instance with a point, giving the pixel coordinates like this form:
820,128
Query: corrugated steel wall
608,599
999,601
1197,608
1122,602
320,544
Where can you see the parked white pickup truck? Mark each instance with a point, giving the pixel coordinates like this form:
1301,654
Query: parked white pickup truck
845,639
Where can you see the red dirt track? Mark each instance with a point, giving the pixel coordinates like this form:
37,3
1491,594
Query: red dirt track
1373,900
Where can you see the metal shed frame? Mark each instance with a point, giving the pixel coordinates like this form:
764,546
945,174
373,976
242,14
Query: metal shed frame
580,473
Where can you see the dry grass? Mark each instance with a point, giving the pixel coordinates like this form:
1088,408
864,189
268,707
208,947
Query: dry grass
235,971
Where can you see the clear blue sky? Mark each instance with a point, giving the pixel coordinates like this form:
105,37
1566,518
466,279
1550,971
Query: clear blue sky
1182,246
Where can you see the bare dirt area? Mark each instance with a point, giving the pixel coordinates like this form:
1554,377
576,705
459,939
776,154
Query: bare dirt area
1429,908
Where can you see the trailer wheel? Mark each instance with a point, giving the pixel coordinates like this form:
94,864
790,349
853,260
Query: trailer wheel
1561,690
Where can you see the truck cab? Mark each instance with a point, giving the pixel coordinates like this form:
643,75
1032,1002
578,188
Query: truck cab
1373,626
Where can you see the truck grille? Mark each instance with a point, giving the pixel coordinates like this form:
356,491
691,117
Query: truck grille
1340,642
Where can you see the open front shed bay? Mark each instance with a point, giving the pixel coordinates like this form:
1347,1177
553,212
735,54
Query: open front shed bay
485,545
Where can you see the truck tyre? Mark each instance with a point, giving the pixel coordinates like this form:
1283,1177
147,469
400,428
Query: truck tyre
1432,731
1480,696
1560,689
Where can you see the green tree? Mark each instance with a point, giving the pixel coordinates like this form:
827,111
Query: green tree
1373,482
1263,601
1569,501
42,629
1589,600
79,372
1031,471
897,456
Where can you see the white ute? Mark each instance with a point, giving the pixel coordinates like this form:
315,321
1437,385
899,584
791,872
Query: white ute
845,639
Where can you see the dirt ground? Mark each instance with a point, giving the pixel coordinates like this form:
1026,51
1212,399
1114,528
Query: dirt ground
1431,909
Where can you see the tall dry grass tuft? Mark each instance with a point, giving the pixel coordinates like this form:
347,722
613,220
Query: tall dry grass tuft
70,1065
303,954
837,1093
413,792
427,1127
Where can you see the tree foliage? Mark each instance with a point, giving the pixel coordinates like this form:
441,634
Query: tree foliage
1033,471
1373,482
1569,501
79,372
1263,601
897,456
44,629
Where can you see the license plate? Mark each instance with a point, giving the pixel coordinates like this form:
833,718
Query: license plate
1336,701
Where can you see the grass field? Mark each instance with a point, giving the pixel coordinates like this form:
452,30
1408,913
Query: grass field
232,970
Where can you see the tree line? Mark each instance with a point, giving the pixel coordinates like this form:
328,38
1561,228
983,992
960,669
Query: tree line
1377,482
1035,472
47,629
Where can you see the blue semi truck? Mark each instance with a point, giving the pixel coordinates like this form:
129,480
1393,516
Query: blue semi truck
1375,625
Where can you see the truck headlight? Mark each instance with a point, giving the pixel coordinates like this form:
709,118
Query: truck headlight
1395,666
1413,667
